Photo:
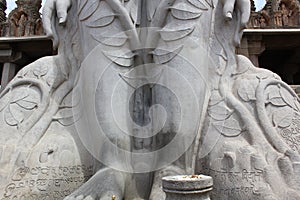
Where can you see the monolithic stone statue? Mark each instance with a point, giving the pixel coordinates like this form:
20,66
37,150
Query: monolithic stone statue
101,98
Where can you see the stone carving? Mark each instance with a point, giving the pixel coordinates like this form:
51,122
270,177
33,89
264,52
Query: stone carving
247,130
276,14
2,14
2,11
24,20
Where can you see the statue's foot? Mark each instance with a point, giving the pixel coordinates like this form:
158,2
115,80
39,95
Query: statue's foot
108,196
106,184
80,197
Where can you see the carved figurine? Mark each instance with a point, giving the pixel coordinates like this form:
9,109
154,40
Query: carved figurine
101,99
262,22
285,15
278,19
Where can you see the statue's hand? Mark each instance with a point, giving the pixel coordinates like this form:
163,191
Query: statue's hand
243,6
52,9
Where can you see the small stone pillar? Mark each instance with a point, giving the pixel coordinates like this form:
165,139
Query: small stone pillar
194,187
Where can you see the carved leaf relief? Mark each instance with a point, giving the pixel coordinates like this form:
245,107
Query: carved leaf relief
274,97
198,4
283,117
120,57
220,111
289,99
40,70
13,116
102,21
152,5
185,11
70,110
163,55
88,9
64,113
263,75
134,12
23,100
174,31
247,90
111,39
215,98
81,5
31,101
4,101
27,104
229,127
50,80
210,3
101,17
67,116
19,94
68,121
71,101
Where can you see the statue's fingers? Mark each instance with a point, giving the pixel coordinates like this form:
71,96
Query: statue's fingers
48,12
62,8
228,9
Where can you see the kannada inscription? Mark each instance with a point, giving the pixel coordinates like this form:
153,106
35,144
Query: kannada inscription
45,183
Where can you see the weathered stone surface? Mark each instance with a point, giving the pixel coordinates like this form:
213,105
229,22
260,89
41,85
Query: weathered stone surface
244,121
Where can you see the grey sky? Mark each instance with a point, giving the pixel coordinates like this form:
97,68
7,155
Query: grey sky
11,4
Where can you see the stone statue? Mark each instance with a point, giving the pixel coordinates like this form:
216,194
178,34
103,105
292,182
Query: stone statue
285,15
101,98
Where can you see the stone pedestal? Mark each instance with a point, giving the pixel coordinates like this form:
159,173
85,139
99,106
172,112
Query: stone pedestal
194,187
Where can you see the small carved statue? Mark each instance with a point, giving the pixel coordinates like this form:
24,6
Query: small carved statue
262,22
278,19
286,14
